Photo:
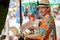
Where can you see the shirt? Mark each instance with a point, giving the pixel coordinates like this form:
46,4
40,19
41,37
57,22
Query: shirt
47,29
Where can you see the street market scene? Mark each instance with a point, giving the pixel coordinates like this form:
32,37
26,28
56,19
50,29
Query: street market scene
37,20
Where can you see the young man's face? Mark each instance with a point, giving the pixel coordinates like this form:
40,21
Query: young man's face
43,10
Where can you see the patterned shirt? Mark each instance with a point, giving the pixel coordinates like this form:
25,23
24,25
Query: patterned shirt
47,29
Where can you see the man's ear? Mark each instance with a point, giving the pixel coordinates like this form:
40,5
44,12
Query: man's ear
48,10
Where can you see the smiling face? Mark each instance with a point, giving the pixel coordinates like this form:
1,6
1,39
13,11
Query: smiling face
43,10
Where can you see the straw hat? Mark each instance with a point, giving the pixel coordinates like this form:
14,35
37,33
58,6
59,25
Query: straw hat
44,3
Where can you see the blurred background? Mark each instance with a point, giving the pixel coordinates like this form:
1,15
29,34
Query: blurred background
10,16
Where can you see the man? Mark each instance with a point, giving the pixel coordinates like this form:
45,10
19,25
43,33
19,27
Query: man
47,29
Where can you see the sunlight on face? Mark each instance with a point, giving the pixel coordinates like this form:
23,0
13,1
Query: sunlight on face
43,10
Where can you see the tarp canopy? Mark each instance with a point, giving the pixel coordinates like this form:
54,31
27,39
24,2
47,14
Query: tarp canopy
28,2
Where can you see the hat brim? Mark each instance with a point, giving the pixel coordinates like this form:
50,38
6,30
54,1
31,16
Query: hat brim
43,5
